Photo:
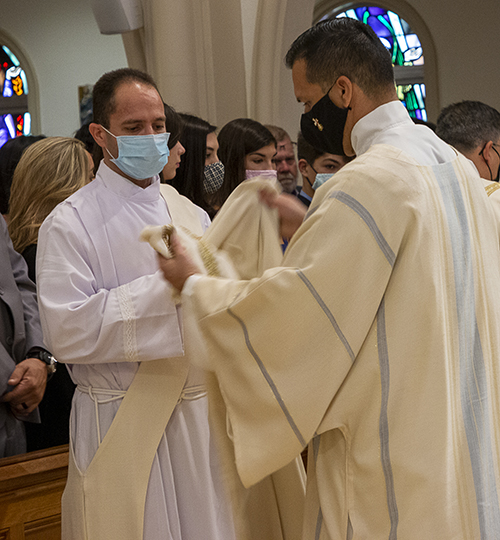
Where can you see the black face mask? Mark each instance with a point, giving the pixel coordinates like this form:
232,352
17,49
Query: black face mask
497,179
323,126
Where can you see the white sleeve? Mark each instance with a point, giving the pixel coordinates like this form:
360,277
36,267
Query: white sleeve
83,323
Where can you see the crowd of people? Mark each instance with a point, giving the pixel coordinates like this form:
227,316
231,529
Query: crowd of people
356,313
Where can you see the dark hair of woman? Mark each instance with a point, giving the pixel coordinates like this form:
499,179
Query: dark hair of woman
237,139
173,124
190,175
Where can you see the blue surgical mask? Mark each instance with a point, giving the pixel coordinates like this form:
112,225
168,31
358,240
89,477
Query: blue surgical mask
321,178
141,156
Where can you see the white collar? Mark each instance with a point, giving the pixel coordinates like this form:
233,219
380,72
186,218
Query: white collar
387,116
125,188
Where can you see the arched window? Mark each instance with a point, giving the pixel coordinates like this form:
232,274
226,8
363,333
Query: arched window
15,118
406,52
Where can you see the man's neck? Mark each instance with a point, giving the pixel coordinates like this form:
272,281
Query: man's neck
140,183
361,107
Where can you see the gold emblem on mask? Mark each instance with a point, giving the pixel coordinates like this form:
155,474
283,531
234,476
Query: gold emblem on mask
317,124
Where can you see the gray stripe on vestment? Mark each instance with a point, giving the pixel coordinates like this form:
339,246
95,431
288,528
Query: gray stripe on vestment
315,442
473,383
383,357
269,380
319,524
327,312
363,213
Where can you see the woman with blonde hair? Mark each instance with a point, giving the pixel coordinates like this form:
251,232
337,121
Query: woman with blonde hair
48,172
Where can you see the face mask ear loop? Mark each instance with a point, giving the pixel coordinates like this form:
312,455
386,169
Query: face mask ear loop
497,179
308,181
487,165
349,108
107,131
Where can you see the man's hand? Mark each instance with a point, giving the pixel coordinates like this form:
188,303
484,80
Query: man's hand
177,269
290,209
28,379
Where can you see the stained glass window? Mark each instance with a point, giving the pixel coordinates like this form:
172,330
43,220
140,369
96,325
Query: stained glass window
406,52
15,119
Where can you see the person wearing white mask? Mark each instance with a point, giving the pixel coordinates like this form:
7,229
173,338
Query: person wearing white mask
142,462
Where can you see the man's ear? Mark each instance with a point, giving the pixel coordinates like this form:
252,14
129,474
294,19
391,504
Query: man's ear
488,152
343,91
97,131
303,166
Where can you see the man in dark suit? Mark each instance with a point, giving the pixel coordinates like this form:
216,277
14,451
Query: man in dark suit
24,363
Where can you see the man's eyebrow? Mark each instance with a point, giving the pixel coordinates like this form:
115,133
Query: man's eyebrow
138,120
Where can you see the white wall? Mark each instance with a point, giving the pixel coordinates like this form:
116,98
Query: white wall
63,43
467,44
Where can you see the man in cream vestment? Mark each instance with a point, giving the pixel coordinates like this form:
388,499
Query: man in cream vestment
377,339
143,463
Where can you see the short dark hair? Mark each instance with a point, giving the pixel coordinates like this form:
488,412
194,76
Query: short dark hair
10,154
103,93
190,175
344,46
468,124
237,139
307,151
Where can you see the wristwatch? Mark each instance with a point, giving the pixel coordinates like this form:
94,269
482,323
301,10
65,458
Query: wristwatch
47,358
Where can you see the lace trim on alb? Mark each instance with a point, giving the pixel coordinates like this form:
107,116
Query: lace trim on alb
129,323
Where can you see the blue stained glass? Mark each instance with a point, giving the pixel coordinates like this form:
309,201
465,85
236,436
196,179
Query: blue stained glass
7,89
11,126
4,134
13,85
379,27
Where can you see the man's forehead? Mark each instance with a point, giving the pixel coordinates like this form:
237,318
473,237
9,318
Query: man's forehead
285,146
130,95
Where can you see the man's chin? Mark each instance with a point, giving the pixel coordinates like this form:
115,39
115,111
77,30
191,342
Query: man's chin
288,185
